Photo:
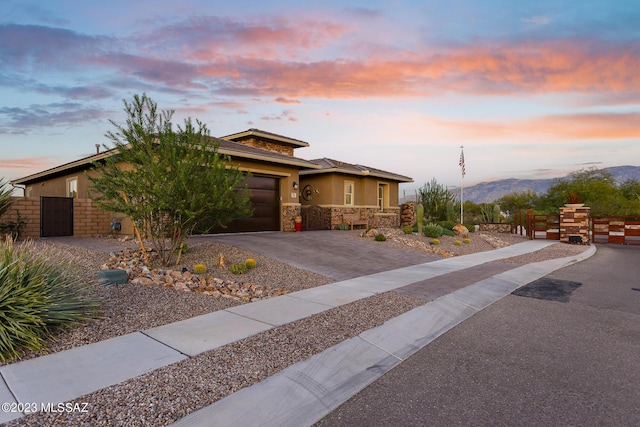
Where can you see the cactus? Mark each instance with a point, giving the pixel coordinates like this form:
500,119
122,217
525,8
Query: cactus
496,213
420,217
250,263
450,210
199,269
239,268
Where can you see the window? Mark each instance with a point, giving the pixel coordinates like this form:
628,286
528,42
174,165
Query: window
72,187
383,195
348,193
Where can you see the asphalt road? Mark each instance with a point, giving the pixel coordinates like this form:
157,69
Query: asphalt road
525,361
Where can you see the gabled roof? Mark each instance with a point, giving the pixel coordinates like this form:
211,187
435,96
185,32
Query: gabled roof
335,166
266,135
231,148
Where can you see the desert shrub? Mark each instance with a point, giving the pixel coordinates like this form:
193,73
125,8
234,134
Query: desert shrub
448,225
250,263
343,226
447,232
380,237
407,229
470,227
467,241
432,230
36,294
199,269
457,243
239,268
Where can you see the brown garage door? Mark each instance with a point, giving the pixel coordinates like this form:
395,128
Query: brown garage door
56,216
265,200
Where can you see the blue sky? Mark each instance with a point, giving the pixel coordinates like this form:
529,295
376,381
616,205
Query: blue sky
531,89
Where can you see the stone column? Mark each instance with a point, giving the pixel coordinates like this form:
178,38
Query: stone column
574,224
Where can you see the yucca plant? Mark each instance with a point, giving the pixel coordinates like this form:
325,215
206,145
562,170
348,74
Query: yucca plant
35,295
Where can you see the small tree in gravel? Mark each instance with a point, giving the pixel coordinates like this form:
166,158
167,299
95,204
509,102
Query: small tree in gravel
172,181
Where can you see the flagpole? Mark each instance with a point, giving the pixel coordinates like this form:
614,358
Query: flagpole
462,184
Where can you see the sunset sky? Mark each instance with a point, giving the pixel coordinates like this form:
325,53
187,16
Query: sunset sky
531,89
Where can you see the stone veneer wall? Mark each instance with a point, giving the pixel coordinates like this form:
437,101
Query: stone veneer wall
289,212
574,222
390,217
271,146
498,227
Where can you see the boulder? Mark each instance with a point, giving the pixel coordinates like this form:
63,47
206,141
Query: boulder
461,231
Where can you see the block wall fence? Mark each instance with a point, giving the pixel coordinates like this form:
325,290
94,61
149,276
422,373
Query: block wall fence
87,219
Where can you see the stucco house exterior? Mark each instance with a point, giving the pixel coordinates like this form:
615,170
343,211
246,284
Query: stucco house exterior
336,189
277,178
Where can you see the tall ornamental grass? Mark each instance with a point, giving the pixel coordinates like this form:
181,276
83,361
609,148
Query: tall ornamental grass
36,294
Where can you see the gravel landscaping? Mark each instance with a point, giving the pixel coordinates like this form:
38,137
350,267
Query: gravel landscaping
168,394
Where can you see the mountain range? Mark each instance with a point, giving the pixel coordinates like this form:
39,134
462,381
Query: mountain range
487,192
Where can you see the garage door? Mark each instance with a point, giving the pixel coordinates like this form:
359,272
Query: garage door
265,200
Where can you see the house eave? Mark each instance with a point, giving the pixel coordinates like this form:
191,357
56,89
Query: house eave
81,164
292,161
368,173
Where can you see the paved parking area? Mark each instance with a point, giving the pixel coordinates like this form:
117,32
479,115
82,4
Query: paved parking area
525,361
338,254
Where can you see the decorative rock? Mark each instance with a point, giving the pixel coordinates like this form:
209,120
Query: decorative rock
461,231
139,274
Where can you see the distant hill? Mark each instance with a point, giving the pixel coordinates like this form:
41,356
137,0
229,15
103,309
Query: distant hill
487,192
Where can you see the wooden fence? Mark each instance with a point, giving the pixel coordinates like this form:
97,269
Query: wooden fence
537,226
622,230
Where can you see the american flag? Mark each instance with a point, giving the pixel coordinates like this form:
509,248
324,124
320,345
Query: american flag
464,171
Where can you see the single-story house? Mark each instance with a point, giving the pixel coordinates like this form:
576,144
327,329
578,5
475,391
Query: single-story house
277,181
336,191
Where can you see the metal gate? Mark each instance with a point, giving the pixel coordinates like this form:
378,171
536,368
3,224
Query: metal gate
56,216
621,230
315,217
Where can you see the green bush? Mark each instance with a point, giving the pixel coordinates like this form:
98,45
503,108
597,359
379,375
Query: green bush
380,238
448,225
470,227
407,229
36,294
239,268
447,232
343,226
432,230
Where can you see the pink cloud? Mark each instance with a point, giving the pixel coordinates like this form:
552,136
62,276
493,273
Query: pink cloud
547,129
34,163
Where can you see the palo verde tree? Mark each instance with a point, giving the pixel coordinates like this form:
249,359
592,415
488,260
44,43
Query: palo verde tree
168,181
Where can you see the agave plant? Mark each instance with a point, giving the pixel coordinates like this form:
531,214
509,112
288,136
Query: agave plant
35,295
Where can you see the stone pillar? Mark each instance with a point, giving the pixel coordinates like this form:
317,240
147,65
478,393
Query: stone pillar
574,224
408,214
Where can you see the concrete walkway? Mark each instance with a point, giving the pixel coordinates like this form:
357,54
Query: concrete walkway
304,392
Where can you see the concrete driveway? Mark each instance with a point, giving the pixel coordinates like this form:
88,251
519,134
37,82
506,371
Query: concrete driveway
338,254
525,361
